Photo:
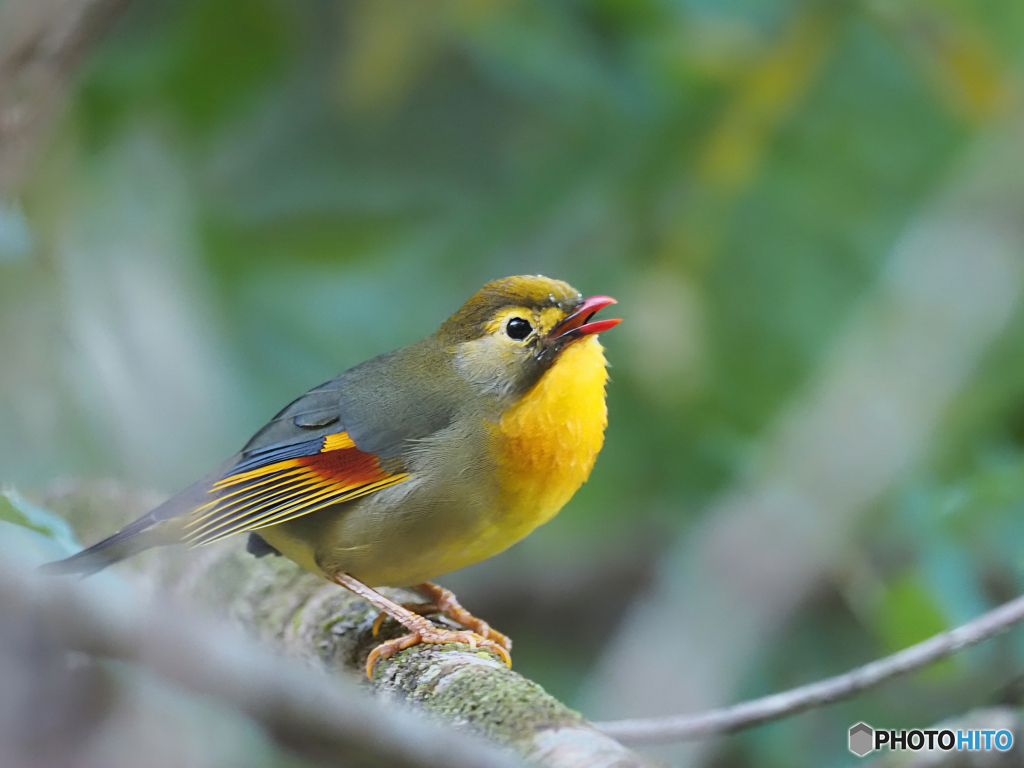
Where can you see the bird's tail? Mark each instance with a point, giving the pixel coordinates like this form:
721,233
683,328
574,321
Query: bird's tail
163,525
130,540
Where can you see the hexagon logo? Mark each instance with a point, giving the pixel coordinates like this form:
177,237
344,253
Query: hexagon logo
862,739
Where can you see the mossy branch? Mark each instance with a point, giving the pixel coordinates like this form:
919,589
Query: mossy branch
305,617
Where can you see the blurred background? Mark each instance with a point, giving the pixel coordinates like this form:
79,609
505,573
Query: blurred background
812,214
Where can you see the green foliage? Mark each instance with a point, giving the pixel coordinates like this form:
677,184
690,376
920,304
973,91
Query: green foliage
248,196
909,614
17,510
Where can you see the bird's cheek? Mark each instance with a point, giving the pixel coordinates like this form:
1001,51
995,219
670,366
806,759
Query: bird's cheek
484,362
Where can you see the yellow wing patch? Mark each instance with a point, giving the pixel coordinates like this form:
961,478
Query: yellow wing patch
294,481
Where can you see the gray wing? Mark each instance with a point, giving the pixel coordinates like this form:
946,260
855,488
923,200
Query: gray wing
382,404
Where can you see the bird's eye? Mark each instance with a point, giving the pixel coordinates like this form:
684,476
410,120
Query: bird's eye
518,328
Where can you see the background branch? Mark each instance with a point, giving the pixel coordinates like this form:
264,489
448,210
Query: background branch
42,45
307,618
663,730
866,419
328,722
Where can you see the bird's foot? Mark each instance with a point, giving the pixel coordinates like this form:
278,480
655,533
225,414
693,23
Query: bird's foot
447,604
431,634
443,601
423,609
422,631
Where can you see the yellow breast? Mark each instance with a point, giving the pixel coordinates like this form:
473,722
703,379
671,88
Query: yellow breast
550,439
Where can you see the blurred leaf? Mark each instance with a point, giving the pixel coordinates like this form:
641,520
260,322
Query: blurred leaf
31,534
954,55
907,615
230,49
770,94
206,61
16,509
12,514
388,47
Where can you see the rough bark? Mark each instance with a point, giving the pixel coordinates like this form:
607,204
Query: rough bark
307,618
93,676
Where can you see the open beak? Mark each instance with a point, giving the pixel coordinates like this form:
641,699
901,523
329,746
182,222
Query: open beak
578,325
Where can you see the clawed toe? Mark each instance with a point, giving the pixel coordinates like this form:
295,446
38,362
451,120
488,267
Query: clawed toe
449,605
436,637
421,630
504,641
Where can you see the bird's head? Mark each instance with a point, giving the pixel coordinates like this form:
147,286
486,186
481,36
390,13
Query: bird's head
513,330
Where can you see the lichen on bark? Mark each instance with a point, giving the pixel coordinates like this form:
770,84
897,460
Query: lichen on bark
308,618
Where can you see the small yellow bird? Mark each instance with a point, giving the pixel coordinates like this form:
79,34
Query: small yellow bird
415,463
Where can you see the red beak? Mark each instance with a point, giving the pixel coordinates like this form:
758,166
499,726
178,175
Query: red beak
578,323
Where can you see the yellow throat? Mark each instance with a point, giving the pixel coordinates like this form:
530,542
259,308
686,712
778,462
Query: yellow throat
551,437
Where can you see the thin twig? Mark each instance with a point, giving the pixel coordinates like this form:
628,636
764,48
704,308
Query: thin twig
663,730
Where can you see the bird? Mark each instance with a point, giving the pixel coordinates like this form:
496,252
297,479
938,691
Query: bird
412,464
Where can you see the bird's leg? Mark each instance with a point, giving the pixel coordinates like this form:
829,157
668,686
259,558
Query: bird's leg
446,603
422,631
423,609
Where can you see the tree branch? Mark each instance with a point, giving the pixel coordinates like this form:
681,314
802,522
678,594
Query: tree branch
663,730
305,617
325,721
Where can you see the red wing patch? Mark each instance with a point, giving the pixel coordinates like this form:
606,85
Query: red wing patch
278,484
